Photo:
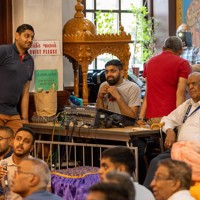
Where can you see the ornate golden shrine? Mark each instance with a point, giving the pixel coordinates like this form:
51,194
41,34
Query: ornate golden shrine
82,45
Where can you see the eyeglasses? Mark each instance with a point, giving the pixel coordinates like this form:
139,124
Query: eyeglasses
17,172
160,178
4,138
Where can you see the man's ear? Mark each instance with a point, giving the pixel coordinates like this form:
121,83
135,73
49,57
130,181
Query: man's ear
16,36
121,168
11,141
122,73
181,51
34,180
176,185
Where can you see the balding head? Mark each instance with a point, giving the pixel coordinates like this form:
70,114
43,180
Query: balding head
197,74
39,168
193,84
31,175
174,44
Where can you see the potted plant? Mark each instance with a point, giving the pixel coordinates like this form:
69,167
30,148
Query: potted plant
143,35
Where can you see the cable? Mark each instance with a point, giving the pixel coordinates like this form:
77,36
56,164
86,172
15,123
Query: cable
53,133
74,123
67,128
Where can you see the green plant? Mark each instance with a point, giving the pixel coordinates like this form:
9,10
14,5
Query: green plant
105,25
143,34
142,31
105,22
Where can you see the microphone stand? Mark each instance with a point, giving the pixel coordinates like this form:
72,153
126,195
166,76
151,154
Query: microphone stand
6,192
5,189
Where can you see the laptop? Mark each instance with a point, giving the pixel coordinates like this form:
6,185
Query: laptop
104,117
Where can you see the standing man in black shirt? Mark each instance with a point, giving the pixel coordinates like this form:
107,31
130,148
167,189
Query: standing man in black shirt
16,70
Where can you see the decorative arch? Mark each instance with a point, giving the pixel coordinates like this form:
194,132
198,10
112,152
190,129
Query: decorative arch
82,47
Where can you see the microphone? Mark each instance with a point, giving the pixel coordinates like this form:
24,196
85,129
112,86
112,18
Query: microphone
4,165
109,96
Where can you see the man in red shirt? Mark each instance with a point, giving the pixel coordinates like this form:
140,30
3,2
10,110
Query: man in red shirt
166,80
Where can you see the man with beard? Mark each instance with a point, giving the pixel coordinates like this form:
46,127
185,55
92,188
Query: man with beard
117,94
16,66
22,146
123,97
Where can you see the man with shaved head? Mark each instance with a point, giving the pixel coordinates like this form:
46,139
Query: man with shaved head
185,118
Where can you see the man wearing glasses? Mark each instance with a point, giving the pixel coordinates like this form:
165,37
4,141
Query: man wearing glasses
31,179
22,146
172,181
6,137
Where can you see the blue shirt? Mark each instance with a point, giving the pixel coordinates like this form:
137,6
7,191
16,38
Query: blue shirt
14,73
192,55
42,195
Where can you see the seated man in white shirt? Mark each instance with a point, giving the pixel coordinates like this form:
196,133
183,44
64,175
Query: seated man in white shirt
172,180
185,118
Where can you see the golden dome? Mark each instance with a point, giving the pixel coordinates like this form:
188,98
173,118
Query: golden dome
79,24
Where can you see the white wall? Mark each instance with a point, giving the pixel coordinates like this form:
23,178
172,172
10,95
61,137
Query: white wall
18,14
46,18
161,14
68,11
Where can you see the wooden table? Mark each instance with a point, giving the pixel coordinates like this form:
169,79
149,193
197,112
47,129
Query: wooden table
116,134
125,134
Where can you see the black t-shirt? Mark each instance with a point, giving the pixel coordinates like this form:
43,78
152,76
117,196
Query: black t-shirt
14,73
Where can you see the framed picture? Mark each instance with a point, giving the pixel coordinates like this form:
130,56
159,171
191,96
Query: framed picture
188,11
181,11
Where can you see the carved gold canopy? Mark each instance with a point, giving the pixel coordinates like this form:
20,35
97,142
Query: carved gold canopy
82,45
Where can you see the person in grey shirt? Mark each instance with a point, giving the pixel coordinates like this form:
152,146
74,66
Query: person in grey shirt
118,94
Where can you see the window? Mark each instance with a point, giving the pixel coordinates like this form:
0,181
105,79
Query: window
120,10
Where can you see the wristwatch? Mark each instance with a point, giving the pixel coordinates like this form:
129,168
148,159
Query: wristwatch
24,118
141,118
